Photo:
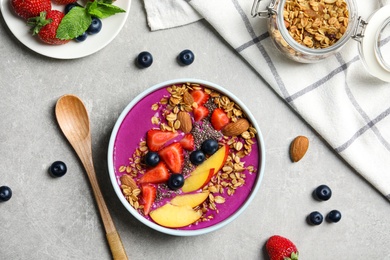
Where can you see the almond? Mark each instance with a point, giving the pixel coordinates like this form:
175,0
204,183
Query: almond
298,148
188,99
236,128
185,121
128,181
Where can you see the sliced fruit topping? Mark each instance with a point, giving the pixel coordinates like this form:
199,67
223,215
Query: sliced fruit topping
219,119
200,97
176,181
149,193
158,174
197,157
192,200
279,248
200,112
156,139
188,142
198,180
173,156
151,159
173,216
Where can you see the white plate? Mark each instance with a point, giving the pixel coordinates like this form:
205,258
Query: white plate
72,50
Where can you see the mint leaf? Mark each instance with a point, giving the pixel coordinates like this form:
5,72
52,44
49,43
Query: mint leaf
103,10
74,23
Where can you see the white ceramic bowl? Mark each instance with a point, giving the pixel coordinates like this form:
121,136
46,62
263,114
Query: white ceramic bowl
121,135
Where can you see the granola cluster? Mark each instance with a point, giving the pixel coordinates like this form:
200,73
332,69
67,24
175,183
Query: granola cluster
315,23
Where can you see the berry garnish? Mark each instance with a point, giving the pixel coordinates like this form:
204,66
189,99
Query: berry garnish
200,112
82,37
334,216
30,8
158,174
173,156
188,142
279,248
322,192
69,7
144,59
209,146
186,57
58,169
156,139
200,97
315,218
176,181
219,119
152,159
149,193
197,157
95,26
5,193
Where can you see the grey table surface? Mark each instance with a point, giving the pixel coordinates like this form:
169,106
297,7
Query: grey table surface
57,218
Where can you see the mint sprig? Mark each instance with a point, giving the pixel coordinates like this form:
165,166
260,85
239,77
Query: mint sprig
78,19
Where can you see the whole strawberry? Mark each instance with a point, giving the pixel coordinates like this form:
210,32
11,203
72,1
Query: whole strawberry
281,248
30,8
46,24
64,2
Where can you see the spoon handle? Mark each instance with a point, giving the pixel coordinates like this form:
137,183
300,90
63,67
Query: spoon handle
114,241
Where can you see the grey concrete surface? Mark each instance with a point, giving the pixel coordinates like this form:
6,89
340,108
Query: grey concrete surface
51,218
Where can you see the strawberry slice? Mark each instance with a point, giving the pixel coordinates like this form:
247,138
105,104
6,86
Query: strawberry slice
149,193
156,139
219,119
173,156
200,97
188,142
200,112
157,174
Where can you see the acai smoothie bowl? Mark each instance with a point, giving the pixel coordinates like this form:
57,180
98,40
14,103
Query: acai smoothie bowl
186,157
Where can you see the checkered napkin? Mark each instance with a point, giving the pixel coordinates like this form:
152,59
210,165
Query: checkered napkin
348,107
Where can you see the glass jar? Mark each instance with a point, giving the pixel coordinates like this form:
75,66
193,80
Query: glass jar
373,36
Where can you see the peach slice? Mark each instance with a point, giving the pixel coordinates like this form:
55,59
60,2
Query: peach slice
191,200
174,216
202,174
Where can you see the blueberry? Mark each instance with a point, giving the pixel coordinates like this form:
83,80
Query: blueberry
95,26
210,146
334,216
69,7
152,159
5,193
315,218
197,157
82,37
175,181
322,192
144,59
58,169
186,57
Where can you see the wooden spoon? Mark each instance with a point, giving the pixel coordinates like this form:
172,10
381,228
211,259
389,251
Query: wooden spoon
74,123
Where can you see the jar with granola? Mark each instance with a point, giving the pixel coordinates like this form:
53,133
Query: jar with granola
309,31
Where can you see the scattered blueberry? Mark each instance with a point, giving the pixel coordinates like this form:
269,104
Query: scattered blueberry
5,193
58,169
95,27
69,7
315,218
210,146
152,159
334,216
175,181
144,59
197,157
186,57
322,192
82,37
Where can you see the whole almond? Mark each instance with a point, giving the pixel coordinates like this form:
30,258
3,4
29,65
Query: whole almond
298,148
128,181
185,121
188,99
236,128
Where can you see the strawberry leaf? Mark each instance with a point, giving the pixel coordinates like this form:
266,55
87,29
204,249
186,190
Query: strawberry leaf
74,23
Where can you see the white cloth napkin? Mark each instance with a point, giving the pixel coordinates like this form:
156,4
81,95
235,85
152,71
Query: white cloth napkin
348,107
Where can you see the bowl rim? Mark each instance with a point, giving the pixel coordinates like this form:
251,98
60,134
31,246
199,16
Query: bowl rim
171,231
